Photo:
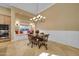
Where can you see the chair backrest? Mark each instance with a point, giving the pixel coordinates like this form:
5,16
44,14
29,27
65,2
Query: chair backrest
46,37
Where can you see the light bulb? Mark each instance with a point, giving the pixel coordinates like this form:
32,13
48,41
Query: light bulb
44,17
34,18
38,15
30,19
41,16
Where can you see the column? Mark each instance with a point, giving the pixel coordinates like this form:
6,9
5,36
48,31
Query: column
12,23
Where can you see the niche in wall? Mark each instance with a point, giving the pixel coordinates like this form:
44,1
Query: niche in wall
22,27
22,24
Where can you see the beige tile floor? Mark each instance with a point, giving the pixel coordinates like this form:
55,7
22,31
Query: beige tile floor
20,48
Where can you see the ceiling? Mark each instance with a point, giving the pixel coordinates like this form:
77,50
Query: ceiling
33,8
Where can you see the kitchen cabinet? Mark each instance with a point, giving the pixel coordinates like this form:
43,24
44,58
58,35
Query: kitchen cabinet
1,19
5,20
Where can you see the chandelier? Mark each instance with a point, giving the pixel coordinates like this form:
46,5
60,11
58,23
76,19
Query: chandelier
38,17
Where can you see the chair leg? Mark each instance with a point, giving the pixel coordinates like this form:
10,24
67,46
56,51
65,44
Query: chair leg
32,45
46,46
39,45
29,43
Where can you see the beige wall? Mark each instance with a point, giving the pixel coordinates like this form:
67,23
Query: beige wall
61,17
5,11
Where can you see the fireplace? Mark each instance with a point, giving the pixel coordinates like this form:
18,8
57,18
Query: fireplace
4,31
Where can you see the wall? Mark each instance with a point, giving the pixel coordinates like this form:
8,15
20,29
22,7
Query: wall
70,38
61,17
62,23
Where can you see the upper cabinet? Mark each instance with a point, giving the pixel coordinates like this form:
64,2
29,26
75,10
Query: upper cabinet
1,19
5,19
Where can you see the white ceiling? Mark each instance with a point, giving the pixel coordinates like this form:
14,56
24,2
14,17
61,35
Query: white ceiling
33,8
